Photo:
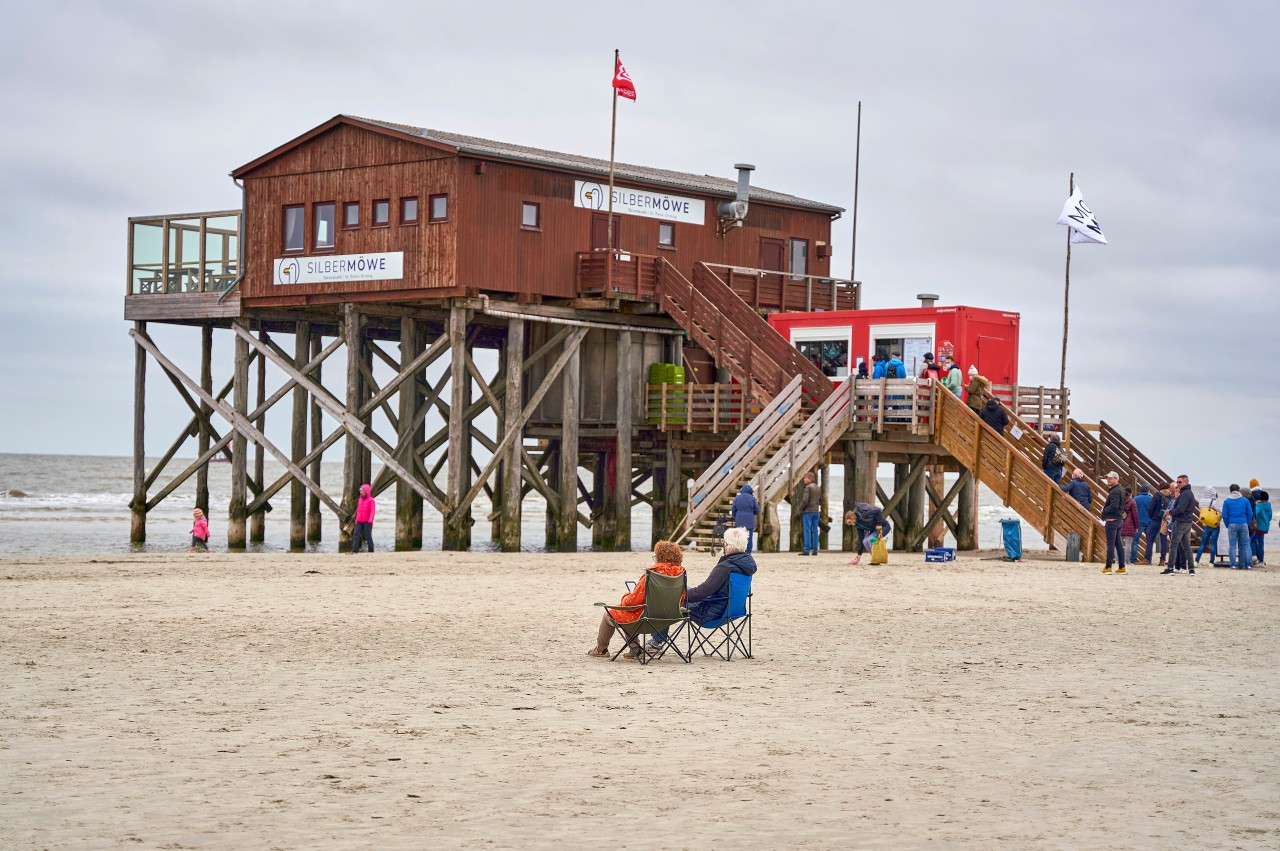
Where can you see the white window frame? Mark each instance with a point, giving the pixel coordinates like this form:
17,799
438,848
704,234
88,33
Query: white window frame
836,333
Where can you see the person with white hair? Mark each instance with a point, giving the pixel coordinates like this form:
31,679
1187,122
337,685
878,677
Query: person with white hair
707,601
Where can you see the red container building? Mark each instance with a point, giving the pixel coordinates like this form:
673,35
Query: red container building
975,336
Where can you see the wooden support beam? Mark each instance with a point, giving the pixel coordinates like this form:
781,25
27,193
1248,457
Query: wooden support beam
236,532
915,531
621,487
298,442
408,502
138,506
351,332
967,512
849,533
512,426
570,403
258,519
458,520
315,425
204,438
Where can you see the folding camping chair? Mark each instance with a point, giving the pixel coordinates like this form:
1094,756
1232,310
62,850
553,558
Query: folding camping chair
732,630
662,609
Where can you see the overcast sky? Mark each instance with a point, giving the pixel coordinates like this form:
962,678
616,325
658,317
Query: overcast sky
974,114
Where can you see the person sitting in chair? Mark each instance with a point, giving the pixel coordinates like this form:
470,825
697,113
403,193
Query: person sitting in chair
708,601
667,557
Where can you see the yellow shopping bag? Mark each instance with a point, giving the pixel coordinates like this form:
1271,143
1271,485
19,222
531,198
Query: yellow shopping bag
879,551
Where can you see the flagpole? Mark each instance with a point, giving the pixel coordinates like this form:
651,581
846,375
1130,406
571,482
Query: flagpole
1066,298
853,257
613,138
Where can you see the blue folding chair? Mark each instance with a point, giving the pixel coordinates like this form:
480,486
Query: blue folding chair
732,630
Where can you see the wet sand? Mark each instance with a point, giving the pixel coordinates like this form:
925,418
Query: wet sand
443,700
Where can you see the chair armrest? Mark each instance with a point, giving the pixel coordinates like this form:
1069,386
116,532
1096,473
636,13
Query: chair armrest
620,608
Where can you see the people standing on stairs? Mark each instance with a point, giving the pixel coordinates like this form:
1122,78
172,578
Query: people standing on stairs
1210,524
1053,459
1181,517
810,512
1113,517
880,367
1078,489
978,391
895,368
932,369
746,508
1235,516
993,414
954,379
866,520
862,369
1262,523
1145,503
1129,526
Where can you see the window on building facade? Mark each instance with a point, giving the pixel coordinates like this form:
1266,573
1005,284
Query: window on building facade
408,211
326,221
381,213
295,228
799,258
530,215
439,208
830,356
666,234
351,214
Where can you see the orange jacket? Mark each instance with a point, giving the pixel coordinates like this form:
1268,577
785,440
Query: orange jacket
636,597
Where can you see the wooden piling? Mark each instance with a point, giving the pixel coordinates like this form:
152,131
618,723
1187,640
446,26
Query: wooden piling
457,532
849,533
351,447
512,400
570,398
916,505
621,484
239,447
258,521
298,441
408,501
315,529
206,411
138,506
967,512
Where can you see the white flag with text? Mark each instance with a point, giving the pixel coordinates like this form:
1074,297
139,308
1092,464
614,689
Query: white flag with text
1077,215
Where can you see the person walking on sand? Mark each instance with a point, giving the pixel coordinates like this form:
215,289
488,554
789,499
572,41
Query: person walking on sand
1235,516
1262,522
199,532
1145,503
1113,517
1181,517
810,511
746,508
366,507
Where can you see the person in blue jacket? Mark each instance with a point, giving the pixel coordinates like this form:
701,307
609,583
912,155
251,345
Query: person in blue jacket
881,366
1235,516
707,601
746,508
1078,489
1262,519
895,364
1143,500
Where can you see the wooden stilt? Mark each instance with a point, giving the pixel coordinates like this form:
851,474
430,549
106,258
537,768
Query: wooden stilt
202,445
457,527
258,520
138,507
938,529
570,399
770,528
408,502
351,451
824,479
512,399
315,530
621,484
658,504
239,448
967,512
849,533
916,506
903,498
298,442
602,496
552,530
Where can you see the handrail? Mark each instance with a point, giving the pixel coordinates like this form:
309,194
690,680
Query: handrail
726,470
831,293
803,449
1006,470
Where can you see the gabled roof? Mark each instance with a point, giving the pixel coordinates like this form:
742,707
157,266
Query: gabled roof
490,149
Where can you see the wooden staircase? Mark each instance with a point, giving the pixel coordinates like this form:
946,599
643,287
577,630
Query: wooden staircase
1110,451
713,492
1017,479
718,320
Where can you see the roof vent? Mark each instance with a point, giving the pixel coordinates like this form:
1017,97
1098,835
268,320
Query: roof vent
733,213
927,299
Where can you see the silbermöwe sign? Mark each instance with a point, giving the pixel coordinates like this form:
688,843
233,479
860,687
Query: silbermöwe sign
338,268
639,202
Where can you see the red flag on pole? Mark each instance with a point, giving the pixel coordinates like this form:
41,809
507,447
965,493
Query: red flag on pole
622,81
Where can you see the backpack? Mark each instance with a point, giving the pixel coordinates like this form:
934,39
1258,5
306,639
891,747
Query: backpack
891,371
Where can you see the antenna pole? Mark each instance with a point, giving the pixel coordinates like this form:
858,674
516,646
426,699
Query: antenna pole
853,256
1066,296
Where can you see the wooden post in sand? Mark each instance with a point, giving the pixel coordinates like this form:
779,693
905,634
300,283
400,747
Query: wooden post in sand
570,398
967,512
298,441
202,440
315,530
621,484
239,447
351,447
408,501
258,522
138,507
513,478
457,531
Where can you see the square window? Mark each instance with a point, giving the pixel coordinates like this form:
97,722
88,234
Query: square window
381,213
408,211
326,215
666,234
351,214
531,216
439,208
295,228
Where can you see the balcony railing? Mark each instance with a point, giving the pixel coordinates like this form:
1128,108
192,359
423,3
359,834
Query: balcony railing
716,408
190,253
617,273
1043,408
766,290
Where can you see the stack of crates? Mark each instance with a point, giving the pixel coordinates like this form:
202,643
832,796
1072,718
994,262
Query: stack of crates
940,554
677,403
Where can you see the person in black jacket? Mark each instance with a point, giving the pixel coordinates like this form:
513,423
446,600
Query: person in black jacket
1181,516
1054,459
1113,516
993,415
708,601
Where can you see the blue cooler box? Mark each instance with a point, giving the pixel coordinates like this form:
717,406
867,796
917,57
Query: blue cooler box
940,554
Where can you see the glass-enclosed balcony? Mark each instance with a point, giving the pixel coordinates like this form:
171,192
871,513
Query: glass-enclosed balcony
192,253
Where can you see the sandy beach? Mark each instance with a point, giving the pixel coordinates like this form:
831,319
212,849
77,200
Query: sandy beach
443,700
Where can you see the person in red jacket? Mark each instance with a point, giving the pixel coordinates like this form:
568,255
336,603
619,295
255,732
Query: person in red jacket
366,507
668,557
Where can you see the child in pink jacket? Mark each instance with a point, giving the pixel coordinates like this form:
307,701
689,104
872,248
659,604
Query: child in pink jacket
199,532
366,507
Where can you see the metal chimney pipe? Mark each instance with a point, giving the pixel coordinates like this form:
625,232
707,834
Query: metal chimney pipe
744,179
927,299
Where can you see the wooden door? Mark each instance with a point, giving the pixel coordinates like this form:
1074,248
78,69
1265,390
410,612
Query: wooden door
600,230
773,258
